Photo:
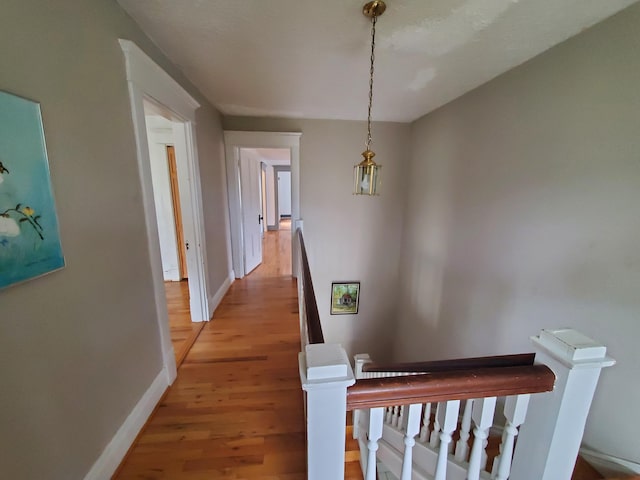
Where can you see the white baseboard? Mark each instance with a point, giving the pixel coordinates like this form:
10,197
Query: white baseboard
608,464
217,298
119,445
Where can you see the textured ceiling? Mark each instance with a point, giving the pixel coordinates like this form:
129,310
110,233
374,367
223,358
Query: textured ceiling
309,59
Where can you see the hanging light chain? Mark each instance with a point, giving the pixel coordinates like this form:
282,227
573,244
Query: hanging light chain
374,19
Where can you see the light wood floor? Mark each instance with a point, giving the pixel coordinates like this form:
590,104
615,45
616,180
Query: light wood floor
183,331
235,410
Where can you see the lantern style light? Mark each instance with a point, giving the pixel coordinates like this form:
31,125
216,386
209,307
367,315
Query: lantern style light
367,173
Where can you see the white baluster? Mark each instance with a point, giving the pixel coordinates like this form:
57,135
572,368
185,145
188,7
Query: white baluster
462,447
401,418
413,427
435,433
482,415
394,416
360,360
426,420
376,416
515,411
484,458
494,468
448,419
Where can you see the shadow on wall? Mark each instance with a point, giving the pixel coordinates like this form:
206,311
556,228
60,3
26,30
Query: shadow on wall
445,304
425,247
421,300
377,338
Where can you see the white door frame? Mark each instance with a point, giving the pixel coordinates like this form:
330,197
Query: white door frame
234,141
147,80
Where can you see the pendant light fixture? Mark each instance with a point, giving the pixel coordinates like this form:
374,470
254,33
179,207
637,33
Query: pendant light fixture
367,172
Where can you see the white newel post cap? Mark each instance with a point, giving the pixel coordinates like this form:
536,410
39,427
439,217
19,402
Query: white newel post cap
550,437
325,364
573,349
360,359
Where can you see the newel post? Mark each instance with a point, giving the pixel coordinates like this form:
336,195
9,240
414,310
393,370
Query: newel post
325,373
550,438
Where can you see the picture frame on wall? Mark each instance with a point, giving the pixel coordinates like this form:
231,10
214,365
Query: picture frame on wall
29,233
345,298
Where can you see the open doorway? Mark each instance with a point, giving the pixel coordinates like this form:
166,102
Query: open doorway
266,153
265,192
149,84
183,327
283,196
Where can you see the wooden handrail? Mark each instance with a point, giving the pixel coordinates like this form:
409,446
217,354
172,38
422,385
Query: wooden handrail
443,386
314,328
518,360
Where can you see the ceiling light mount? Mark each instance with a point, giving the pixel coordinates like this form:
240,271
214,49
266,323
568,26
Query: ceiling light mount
374,9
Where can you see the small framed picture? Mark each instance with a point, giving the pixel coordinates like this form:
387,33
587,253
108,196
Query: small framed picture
345,297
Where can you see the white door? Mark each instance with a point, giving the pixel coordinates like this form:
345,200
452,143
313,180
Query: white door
284,194
251,211
263,196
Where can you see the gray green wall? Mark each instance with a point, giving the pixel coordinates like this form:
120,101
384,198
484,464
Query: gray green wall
349,237
79,347
522,213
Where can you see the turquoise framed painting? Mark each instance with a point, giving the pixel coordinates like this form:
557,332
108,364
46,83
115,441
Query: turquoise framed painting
29,235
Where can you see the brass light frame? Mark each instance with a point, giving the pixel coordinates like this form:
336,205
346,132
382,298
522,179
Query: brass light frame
366,174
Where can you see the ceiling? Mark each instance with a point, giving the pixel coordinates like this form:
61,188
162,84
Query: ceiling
310,59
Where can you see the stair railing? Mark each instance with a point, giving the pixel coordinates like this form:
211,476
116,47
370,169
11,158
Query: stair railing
419,428
402,411
420,416
310,327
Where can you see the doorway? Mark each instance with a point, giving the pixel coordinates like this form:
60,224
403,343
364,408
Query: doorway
151,86
177,212
283,195
165,175
265,194
261,144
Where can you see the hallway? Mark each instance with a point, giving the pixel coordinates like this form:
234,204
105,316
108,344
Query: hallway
235,409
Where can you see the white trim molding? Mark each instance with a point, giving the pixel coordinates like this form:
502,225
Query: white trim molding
141,70
234,141
608,465
149,82
117,448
